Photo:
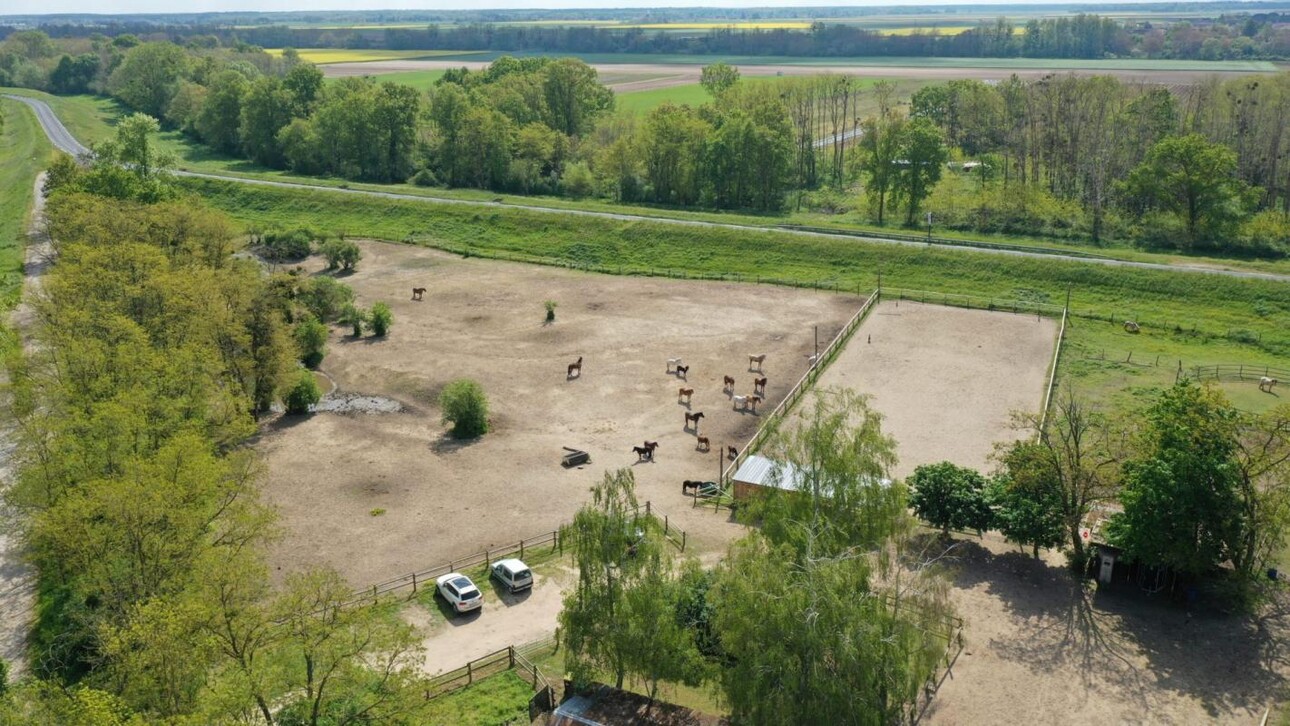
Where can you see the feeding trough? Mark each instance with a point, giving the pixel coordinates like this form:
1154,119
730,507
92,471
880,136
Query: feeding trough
575,457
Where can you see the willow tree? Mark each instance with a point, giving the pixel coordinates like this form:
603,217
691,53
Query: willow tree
822,616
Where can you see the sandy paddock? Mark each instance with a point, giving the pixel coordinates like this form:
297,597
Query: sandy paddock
946,379
484,320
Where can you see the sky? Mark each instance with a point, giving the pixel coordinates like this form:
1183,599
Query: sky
21,7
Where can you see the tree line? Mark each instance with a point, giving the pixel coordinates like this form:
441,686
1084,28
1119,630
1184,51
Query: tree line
139,499
1095,157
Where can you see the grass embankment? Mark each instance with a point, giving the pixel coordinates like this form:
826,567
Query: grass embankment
91,119
503,698
324,56
1192,317
24,151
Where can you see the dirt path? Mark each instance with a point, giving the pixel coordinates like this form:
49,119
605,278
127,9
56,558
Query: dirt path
17,581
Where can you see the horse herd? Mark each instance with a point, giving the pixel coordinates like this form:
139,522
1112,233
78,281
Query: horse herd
684,395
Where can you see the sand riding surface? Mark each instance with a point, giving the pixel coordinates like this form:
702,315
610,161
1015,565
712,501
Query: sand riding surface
330,475
947,379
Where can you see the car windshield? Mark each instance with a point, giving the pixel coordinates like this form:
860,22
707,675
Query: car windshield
463,584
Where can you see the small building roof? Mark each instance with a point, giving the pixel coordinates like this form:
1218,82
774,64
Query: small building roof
763,472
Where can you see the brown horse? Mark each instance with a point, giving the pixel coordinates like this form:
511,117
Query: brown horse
651,445
685,393
703,444
643,453
753,400
574,367
693,418
683,372
731,452
759,385
728,383
418,293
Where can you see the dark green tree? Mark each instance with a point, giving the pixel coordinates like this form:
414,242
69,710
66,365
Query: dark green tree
949,496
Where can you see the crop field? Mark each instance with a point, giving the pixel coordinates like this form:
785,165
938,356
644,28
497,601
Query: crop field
484,319
420,80
325,56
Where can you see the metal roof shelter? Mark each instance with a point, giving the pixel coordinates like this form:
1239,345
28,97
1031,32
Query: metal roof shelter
759,471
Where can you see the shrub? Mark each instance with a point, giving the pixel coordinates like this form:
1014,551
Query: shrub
311,337
341,253
425,178
550,310
291,245
325,297
381,318
302,394
354,317
578,181
465,407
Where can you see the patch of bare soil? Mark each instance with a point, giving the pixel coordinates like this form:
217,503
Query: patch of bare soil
946,379
444,498
1043,647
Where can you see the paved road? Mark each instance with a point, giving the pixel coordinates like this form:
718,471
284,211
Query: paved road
59,135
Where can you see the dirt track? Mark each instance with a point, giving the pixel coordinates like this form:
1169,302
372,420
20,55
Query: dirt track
666,75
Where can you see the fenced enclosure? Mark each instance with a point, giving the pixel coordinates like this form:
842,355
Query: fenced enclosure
1033,307
954,644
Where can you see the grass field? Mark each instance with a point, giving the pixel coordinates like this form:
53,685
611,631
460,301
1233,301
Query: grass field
640,102
24,152
323,56
420,80
1213,304
739,25
503,698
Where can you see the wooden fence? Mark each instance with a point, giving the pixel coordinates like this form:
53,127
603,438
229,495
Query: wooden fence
546,542
973,301
1052,376
946,241
1238,372
798,390
510,658
953,648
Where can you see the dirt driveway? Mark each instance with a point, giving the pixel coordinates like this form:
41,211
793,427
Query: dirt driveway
381,495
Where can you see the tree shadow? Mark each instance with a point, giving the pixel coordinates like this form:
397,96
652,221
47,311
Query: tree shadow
446,443
1121,641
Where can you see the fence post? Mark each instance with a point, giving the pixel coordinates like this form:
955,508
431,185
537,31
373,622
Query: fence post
665,525
521,549
414,583
510,651
488,562
648,512
683,533
558,543
470,673
373,594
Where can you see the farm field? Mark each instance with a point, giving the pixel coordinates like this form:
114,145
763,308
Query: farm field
483,319
686,69
945,379
324,56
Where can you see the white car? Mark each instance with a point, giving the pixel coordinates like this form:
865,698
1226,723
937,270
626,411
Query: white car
460,592
513,574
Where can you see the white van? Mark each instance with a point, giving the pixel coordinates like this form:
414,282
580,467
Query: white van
513,574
